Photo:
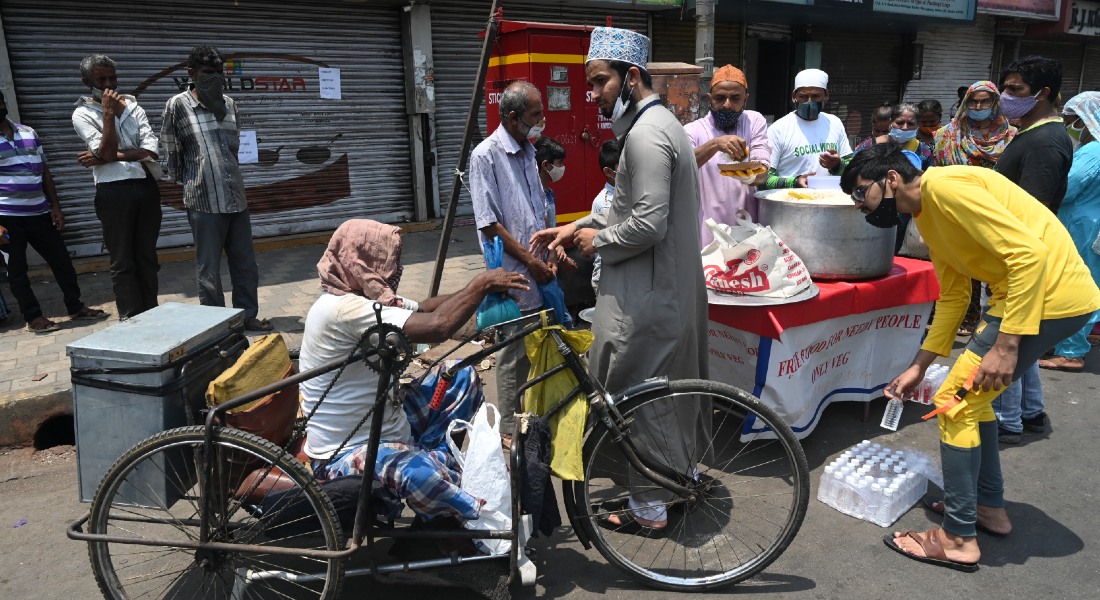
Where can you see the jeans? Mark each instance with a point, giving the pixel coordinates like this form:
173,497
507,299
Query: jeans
39,232
231,232
1022,400
129,211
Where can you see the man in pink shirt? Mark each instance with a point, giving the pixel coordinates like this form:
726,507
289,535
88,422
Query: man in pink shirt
728,132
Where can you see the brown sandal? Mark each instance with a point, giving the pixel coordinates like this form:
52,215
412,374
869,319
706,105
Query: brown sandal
933,551
1059,363
89,314
42,325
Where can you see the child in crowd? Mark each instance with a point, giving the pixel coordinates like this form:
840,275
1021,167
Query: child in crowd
609,164
549,155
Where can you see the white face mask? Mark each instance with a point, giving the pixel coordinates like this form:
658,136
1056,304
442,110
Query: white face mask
556,173
536,132
620,106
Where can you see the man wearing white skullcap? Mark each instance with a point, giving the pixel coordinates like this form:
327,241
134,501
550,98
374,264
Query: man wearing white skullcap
805,133
651,312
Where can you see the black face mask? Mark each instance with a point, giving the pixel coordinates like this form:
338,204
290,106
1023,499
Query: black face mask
809,110
726,120
885,215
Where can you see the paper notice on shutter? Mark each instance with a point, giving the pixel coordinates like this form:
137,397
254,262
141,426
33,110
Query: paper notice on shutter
330,82
248,152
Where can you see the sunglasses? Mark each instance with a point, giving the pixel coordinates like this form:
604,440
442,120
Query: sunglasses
859,195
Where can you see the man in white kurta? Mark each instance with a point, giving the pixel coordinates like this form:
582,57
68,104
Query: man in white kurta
651,311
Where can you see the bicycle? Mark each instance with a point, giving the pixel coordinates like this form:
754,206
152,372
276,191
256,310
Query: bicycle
183,512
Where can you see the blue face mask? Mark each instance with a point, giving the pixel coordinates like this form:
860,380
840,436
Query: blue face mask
902,136
979,115
809,110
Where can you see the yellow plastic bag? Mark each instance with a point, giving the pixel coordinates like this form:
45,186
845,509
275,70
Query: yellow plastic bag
567,425
264,362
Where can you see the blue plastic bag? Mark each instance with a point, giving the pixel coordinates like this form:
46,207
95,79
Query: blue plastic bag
500,307
553,297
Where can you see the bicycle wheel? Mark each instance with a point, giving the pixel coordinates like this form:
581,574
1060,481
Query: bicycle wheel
751,493
152,492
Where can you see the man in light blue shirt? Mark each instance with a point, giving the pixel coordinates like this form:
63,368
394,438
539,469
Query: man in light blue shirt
509,202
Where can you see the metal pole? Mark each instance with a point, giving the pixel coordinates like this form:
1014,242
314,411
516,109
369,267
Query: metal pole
464,153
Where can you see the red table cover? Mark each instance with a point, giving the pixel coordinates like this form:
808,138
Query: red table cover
910,281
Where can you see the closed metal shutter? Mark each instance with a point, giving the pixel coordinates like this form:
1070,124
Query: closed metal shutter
674,41
322,161
1091,82
953,58
1070,54
768,31
456,49
864,71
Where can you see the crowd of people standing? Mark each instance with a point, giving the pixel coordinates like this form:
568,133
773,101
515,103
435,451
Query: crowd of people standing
199,139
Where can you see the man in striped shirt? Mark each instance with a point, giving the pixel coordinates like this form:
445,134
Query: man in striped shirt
30,214
200,134
122,152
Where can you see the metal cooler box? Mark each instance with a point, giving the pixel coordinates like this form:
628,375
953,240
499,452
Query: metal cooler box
138,378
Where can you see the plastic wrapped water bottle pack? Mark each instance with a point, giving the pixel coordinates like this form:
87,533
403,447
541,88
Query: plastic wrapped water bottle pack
877,484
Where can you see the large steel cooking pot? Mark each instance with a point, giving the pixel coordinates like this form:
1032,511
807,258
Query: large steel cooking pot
834,241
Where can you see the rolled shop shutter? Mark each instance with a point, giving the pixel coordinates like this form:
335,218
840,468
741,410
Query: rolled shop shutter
456,49
953,58
864,71
674,41
1092,71
1070,54
322,161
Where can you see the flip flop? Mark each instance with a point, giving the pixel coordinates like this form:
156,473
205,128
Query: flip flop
929,503
627,524
934,554
1058,363
89,314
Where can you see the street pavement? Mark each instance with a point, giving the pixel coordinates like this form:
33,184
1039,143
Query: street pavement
33,362
1051,491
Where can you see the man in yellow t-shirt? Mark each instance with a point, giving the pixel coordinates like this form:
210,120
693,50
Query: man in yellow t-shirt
978,225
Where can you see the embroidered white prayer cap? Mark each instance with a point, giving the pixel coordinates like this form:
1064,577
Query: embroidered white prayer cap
611,43
811,78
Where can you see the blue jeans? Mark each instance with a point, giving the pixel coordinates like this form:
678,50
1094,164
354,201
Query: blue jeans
1022,400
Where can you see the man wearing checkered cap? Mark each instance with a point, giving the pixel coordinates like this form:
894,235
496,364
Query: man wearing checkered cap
651,312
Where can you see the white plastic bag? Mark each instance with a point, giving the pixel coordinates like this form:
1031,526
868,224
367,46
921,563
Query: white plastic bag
912,245
751,260
485,476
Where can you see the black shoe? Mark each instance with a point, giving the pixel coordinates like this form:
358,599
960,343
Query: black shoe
1038,423
1005,436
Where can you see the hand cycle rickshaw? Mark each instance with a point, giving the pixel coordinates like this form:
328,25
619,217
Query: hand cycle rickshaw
728,519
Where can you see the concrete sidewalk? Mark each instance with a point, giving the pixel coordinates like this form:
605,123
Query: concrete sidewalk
35,365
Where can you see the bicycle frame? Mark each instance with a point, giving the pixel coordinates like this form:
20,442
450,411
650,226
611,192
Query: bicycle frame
601,403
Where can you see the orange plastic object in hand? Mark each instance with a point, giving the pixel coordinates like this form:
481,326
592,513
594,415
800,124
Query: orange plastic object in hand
959,395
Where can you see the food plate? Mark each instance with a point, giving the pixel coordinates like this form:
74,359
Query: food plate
587,314
714,297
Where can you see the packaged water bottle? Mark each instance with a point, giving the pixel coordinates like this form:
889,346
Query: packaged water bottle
877,447
892,416
847,501
859,503
874,499
886,507
823,485
835,489
914,486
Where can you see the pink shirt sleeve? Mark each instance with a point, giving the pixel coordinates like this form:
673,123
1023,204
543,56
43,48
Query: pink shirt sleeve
760,149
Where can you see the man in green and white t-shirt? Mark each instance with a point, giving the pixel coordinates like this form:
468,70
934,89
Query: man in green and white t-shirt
806,133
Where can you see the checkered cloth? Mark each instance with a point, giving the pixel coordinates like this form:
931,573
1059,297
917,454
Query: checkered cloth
422,473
